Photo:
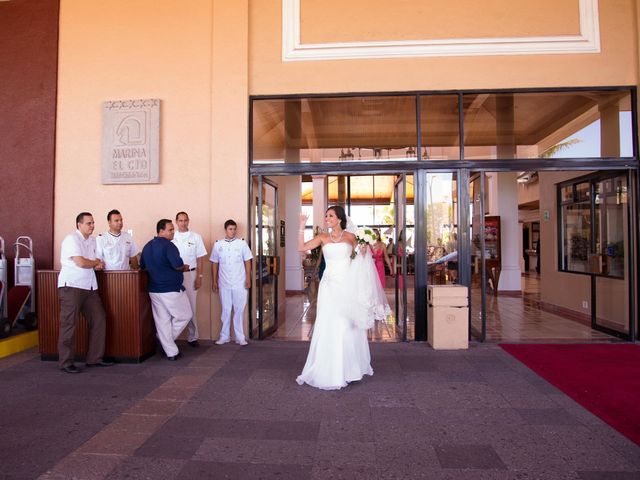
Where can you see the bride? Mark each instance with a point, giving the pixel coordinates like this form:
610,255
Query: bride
339,351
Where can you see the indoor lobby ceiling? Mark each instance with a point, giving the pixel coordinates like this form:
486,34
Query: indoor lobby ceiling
389,122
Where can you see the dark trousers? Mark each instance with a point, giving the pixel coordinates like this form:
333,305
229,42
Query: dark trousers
87,302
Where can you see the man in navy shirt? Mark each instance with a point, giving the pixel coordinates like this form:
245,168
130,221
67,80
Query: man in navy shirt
169,302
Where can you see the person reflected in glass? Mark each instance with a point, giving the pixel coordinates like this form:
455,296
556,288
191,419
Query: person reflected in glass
391,252
452,258
399,255
339,350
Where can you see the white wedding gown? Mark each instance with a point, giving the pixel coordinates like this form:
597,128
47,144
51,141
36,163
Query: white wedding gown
339,351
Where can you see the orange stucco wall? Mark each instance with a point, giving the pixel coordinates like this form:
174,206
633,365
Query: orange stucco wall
615,65
364,20
190,55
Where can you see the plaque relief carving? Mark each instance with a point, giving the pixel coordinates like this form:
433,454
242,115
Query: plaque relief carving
131,141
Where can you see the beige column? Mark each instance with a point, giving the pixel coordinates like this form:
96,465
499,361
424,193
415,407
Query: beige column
505,196
610,130
292,130
505,126
320,196
342,191
291,187
510,231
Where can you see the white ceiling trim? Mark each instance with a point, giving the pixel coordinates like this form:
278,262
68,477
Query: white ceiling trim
588,41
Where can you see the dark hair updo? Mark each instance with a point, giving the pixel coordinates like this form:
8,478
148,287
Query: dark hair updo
339,211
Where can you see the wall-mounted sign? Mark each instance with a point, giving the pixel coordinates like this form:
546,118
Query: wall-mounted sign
545,215
131,141
282,233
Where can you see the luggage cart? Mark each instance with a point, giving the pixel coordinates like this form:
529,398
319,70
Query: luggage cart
5,326
21,302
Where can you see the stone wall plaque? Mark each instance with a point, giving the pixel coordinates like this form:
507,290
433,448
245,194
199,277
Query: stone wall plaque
131,141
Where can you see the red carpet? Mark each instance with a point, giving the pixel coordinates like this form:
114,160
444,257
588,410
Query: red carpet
604,379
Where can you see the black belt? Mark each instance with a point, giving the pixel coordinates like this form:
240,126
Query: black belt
191,269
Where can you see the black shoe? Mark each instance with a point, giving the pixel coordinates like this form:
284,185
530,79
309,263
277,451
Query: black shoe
175,357
101,363
70,369
194,343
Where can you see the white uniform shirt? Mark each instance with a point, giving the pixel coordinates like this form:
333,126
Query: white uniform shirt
71,275
115,250
231,255
190,246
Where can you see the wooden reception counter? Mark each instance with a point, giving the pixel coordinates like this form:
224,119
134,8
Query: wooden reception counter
131,333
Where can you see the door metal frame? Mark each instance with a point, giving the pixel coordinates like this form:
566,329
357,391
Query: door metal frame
483,266
421,268
464,240
260,251
629,258
402,229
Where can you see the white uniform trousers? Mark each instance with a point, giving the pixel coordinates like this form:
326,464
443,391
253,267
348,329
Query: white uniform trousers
171,313
235,298
187,283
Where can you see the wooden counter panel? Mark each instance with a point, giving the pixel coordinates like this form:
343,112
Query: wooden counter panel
130,327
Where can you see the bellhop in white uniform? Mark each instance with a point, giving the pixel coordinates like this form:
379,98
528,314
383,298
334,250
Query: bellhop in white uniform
231,254
191,248
115,250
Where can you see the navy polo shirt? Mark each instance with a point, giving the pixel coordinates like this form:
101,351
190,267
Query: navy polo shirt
160,258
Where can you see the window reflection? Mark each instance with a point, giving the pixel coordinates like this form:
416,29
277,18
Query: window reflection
594,229
586,124
516,125
339,129
440,127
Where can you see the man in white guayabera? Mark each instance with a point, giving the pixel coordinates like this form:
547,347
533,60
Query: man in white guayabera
193,252
115,247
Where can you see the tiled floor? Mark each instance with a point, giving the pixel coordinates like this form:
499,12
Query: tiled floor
509,319
300,313
520,319
296,322
236,413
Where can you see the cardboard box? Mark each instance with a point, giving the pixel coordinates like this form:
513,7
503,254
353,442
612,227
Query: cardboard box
448,295
448,327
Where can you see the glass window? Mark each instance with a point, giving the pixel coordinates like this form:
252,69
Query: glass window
583,192
576,233
594,242
440,127
567,194
585,124
362,215
442,229
497,126
611,199
370,197
308,231
383,214
334,129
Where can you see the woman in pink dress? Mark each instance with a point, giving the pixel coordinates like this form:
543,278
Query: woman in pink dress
380,257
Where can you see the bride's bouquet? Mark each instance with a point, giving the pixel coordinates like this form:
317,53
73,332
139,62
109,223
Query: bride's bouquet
365,235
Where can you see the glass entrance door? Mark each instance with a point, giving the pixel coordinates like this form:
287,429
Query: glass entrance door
442,228
478,271
401,254
268,262
610,282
